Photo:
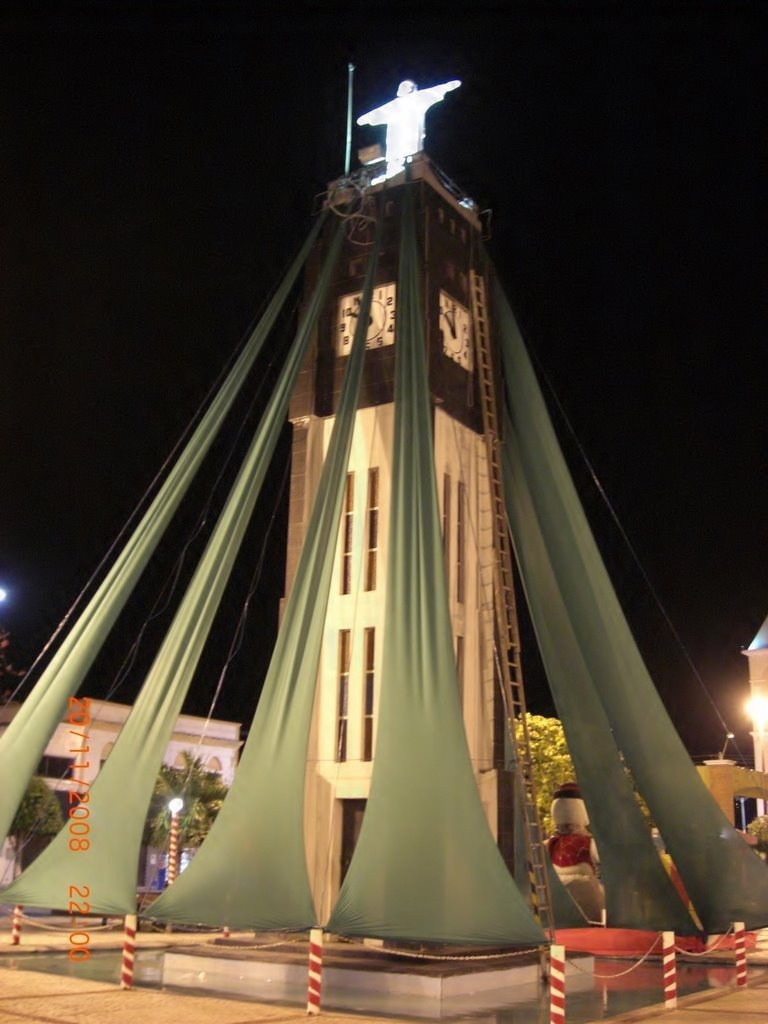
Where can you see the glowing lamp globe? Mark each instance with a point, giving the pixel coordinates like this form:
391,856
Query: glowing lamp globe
757,709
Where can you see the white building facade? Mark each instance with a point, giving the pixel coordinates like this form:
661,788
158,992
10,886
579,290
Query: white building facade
214,742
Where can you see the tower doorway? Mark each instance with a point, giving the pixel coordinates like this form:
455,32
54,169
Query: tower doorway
352,812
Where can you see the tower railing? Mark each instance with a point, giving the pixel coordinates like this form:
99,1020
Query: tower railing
505,612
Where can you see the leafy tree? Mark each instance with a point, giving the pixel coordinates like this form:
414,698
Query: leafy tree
38,814
552,766
551,760
203,794
758,828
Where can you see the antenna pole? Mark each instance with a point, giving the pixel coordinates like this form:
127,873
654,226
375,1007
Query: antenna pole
350,74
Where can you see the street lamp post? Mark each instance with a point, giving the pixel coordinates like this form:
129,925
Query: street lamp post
174,806
728,738
757,709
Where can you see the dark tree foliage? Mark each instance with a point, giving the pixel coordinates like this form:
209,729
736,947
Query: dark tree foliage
39,814
7,670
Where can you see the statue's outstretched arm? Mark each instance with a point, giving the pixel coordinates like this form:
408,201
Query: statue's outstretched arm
438,91
434,94
381,115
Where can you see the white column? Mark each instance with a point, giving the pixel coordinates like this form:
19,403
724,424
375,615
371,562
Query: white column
758,740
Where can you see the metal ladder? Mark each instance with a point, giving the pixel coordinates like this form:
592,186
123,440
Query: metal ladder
506,612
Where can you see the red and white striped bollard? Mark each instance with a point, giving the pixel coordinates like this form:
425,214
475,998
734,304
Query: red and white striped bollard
16,925
670,969
557,984
173,850
314,986
129,951
741,953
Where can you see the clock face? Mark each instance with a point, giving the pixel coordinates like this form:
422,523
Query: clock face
381,321
455,330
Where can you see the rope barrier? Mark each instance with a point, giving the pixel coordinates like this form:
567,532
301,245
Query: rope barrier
188,929
265,945
66,928
619,974
708,950
412,954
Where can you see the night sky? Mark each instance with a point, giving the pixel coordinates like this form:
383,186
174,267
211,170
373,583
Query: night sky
159,167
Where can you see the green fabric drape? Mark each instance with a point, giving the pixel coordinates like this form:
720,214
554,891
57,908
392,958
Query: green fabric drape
425,866
638,892
23,742
724,878
251,870
121,793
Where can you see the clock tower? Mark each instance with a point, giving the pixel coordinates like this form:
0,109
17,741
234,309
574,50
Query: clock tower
343,740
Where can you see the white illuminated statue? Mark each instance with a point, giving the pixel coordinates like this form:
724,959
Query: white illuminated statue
404,118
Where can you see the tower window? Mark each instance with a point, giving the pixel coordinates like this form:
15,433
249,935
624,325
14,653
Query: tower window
369,695
342,715
372,529
447,519
460,666
461,502
52,767
346,539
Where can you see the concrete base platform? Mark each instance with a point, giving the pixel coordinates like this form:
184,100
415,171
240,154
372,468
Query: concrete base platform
361,979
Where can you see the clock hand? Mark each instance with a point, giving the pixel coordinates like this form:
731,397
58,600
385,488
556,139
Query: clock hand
355,311
450,316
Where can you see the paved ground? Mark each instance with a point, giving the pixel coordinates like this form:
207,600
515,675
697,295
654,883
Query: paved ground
722,1006
30,997
27,997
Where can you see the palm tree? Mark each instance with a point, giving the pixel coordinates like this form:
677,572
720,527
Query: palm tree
203,794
